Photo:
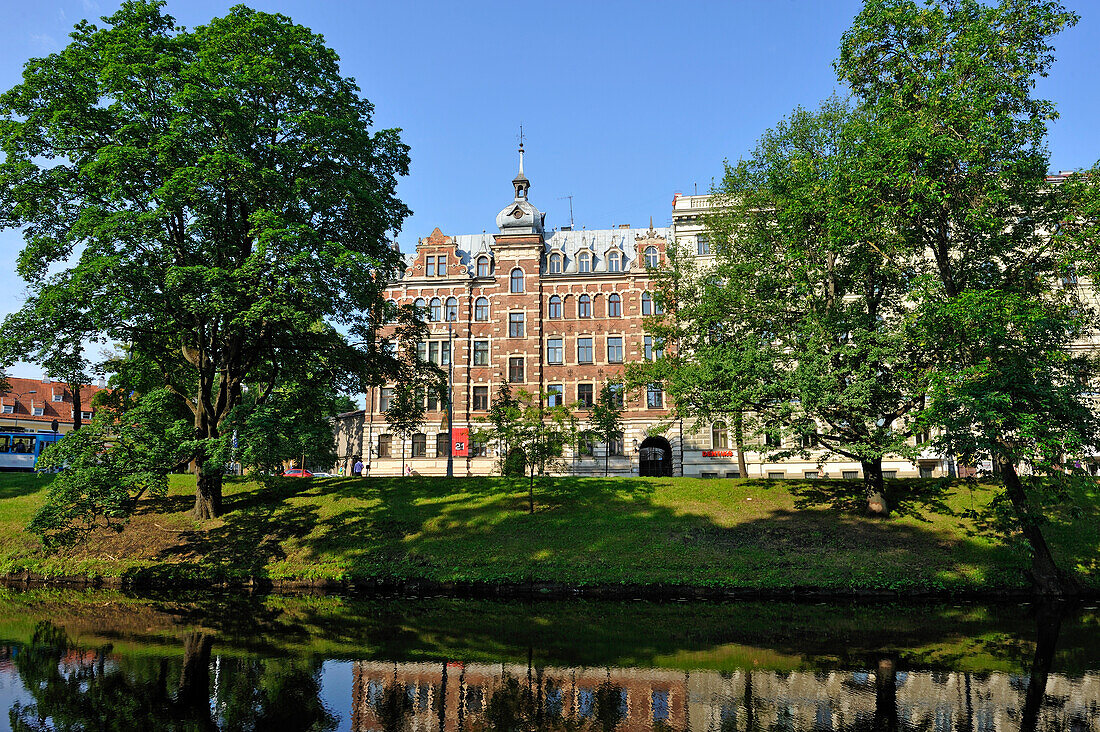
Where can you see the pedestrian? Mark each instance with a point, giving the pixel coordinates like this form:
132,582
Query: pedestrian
357,468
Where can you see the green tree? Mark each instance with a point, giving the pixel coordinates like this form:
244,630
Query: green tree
406,413
808,254
503,424
606,418
962,172
217,191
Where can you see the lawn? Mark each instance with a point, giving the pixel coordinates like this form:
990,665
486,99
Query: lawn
717,534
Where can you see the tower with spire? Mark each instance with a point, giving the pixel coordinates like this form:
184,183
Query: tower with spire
519,216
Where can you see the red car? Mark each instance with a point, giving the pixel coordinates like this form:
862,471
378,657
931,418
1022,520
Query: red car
297,473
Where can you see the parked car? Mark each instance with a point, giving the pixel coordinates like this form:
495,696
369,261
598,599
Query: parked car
297,473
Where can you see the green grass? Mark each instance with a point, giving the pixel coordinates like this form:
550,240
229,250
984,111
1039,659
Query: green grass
724,534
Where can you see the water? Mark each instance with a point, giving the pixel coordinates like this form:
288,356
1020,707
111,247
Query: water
101,660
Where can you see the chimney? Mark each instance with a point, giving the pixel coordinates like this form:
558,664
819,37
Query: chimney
45,379
102,383
624,226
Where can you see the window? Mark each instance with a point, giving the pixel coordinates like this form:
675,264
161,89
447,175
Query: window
584,262
433,352
554,309
776,475
772,438
420,445
442,445
515,370
647,304
584,306
389,348
1069,277
615,349
431,399
441,267
429,266
422,351
420,304
444,353
809,440
555,263
585,395
478,448
8,409
719,436
925,471
616,393
614,306
849,474
615,447
515,325
481,353
889,474
452,309
481,398
555,352
659,701
652,348
384,445
702,245
38,411
921,437
613,262
481,309
654,396
810,474
385,396
554,395
651,257
516,283
584,350
59,397
436,310
391,311
482,266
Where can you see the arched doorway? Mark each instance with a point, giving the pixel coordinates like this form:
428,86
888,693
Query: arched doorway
655,458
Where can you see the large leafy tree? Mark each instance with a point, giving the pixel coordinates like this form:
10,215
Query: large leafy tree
606,419
963,171
809,255
219,192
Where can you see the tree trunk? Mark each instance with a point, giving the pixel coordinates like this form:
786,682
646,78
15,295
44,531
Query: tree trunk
739,442
1049,624
1044,572
873,485
403,457
208,493
531,492
78,422
886,696
194,692
607,456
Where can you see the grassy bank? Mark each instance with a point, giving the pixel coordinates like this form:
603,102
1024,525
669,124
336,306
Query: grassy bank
723,534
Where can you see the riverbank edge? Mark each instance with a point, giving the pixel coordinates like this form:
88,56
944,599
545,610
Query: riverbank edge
423,587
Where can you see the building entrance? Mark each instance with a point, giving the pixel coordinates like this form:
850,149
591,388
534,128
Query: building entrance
655,458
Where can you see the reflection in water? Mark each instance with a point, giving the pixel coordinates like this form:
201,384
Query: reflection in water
440,676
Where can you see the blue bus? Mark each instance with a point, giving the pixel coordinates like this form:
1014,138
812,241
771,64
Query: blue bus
20,450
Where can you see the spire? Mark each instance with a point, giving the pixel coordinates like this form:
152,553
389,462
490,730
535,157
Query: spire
520,182
521,151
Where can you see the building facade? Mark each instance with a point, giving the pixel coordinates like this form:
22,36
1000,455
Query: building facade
558,313
32,405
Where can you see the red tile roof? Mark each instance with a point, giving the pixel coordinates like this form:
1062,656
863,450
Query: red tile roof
27,394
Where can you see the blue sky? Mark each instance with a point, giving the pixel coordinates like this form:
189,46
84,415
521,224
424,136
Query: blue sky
622,103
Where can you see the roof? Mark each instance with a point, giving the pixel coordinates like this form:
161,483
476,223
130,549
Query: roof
27,394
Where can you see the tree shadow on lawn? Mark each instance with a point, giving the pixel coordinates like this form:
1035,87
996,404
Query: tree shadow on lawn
17,485
910,497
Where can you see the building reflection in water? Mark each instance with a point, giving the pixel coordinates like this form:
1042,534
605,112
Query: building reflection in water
469,697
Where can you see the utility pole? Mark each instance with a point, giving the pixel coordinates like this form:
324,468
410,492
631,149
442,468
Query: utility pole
450,402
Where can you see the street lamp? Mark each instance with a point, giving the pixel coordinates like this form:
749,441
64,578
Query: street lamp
450,401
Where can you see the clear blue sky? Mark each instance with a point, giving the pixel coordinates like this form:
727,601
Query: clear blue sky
622,103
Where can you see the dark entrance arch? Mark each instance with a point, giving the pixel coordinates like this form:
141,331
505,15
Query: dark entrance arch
655,458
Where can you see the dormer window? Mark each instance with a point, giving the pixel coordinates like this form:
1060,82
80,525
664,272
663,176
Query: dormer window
555,263
482,266
613,261
584,262
652,259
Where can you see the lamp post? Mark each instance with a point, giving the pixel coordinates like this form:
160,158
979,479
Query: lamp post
450,402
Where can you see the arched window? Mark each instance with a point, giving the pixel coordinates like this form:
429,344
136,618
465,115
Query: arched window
584,262
391,311
719,436
482,266
481,309
555,263
452,309
613,262
436,310
517,280
647,304
420,304
614,306
584,307
651,257
554,310
419,445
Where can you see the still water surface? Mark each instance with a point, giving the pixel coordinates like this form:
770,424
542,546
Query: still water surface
101,660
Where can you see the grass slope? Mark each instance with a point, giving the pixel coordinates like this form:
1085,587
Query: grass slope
768,535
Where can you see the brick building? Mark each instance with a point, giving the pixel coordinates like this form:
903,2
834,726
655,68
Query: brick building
31,405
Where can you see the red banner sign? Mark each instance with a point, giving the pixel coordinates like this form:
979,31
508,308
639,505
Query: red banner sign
460,442
717,453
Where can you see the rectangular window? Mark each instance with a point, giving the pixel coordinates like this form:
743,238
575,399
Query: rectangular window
660,705
515,325
384,442
617,393
59,397
810,474
655,396
708,475
776,474
481,353
429,267
420,445
9,409
584,350
85,415
433,401
733,473
385,396
849,474
555,352
652,348
616,445
481,398
585,395
478,449
442,445
422,351
615,349
441,267
926,471
889,474
772,438
444,353
38,411
554,395
702,245
515,370
433,352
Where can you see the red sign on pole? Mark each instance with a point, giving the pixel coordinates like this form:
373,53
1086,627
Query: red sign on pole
460,442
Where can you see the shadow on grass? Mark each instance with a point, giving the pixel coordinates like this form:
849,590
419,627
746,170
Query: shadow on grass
17,485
